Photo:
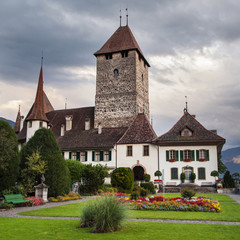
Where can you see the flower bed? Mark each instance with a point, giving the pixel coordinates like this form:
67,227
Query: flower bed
70,196
35,201
199,204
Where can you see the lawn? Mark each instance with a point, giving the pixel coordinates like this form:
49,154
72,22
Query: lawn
21,228
230,211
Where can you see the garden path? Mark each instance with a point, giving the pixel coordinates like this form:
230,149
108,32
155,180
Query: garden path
13,213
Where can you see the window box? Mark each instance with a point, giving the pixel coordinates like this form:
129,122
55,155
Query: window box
202,159
187,160
157,180
172,160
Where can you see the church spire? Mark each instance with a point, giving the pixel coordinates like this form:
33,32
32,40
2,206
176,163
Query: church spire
17,125
37,111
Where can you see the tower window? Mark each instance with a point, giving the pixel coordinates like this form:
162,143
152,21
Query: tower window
40,124
108,56
124,54
30,124
116,73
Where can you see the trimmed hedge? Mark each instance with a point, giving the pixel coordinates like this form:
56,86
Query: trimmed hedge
149,186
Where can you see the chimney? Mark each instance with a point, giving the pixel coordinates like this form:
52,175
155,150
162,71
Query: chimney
87,124
69,119
99,128
62,130
193,115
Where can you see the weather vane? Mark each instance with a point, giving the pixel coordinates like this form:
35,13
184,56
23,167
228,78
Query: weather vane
186,108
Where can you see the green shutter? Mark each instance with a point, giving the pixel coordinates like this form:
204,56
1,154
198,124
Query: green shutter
78,156
176,154
207,155
192,155
181,155
85,156
197,155
93,156
70,155
101,155
167,155
110,155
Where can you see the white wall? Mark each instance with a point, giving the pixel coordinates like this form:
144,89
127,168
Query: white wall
34,128
208,165
149,163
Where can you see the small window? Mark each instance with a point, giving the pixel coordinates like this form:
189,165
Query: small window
30,124
187,154
108,56
83,156
174,173
202,154
97,156
106,156
129,151
201,173
40,124
124,54
116,72
186,133
146,150
74,155
142,77
172,155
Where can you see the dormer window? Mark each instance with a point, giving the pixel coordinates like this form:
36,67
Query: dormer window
124,54
116,72
108,56
186,132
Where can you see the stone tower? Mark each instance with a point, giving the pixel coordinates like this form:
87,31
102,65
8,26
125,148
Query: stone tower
122,81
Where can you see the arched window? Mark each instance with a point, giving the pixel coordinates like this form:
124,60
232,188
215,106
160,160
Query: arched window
116,72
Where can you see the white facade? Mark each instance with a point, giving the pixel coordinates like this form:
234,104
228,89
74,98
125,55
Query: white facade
33,126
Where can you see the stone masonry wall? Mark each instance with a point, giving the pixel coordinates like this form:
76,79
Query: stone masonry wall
117,97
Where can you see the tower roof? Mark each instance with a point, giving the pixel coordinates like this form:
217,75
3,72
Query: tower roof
17,124
140,131
121,40
37,111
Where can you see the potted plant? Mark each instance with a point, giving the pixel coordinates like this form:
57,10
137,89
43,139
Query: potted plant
215,174
158,174
193,177
183,177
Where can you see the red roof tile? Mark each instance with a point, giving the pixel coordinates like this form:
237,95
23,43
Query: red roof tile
37,111
122,39
140,131
17,124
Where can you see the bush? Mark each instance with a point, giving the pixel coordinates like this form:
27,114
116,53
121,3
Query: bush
158,173
9,156
75,168
134,195
146,177
93,178
193,176
182,176
6,205
187,193
103,215
122,179
149,186
143,192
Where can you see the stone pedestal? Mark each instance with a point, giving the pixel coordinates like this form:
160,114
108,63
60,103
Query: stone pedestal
41,191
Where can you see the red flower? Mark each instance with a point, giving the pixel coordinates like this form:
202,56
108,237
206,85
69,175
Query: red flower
187,160
202,159
219,180
172,160
157,180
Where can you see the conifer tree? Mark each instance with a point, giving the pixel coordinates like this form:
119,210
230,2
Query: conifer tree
57,174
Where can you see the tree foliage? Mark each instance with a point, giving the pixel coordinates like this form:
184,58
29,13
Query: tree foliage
93,178
228,181
158,173
76,169
221,167
9,156
122,179
57,174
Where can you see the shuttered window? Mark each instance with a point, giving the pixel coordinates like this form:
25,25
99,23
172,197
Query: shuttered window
201,173
174,173
129,151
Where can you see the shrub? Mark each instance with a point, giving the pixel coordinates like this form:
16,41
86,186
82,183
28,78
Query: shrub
6,205
75,168
143,192
93,178
193,176
9,156
103,215
122,179
187,193
146,177
182,176
158,173
134,195
149,186
228,181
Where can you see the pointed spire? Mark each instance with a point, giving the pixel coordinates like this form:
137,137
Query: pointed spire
120,17
126,17
37,112
17,125
186,108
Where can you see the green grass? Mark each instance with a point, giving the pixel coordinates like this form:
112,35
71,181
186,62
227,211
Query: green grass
230,211
21,229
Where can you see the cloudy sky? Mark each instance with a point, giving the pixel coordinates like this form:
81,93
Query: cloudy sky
193,48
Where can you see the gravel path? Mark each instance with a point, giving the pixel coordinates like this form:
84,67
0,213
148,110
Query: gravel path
13,213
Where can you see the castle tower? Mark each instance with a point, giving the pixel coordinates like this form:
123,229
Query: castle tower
122,81
36,117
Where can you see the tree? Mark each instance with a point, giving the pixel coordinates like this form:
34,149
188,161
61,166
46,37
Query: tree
76,169
9,156
221,167
122,178
214,173
158,174
57,174
228,181
236,177
35,167
146,177
93,178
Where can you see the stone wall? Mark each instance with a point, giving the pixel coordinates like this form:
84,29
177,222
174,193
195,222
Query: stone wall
120,97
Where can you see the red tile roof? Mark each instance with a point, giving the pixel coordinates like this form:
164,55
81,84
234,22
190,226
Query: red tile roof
37,111
17,124
199,133
122,39
140,131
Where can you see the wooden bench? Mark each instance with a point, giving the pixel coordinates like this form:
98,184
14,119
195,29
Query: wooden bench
15,199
